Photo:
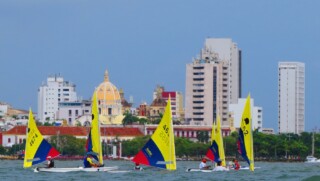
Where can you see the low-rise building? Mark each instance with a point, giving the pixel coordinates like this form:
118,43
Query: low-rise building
236,111
71,112
17,134
187,131
267,130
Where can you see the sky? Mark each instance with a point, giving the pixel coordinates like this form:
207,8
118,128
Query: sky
145,43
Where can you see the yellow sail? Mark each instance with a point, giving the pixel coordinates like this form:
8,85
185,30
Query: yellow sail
164,138
219,139
95,129
246,127
213,132
33,141
216,150
159,151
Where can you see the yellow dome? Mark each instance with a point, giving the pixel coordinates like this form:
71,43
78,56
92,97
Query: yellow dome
108,93
109,101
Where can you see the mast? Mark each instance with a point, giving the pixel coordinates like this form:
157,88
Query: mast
312,153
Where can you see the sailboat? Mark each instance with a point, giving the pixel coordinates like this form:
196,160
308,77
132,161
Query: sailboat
245,140
93,144
311,158
159,151
37,148
215,152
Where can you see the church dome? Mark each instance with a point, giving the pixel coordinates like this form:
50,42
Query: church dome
109,100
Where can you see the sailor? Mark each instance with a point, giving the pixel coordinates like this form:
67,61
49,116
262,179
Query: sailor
236,164
50,163
203,165
137,166
87,161
219,167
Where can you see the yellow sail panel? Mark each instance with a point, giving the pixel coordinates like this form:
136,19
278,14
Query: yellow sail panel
33,141
95,129
219,138
246,126
163,137
213,132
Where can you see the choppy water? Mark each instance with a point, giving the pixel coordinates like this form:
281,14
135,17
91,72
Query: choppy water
12,170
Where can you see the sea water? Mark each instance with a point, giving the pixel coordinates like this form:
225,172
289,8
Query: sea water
12,170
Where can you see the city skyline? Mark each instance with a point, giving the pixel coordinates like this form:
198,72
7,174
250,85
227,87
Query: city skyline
144,44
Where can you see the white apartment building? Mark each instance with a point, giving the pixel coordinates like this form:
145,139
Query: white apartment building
51,93
291,97
73,111
3,109
236,111
213,81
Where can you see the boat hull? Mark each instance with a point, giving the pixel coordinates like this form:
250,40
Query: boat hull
98,169
58,170
75,169
199,170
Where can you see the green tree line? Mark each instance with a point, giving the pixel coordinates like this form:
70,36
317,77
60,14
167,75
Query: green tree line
266,146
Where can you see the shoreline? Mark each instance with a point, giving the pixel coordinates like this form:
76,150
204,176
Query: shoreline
70,158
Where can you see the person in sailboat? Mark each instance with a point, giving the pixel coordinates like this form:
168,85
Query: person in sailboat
88,162
234,164
203,165
137,166
50,163
219,167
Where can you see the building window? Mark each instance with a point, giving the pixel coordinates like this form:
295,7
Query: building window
197,96
9,140
198,79
198,68
198,73
70,112
109,111
198,102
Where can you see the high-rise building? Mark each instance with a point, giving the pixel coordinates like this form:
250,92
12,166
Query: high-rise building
50,94
291,97
213,81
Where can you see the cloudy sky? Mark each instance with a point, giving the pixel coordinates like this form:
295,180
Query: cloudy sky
147,43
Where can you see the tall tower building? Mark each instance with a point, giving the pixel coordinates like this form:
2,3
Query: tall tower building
291,97
50,94
213,81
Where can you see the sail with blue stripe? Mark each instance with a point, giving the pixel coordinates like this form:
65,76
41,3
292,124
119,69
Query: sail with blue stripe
37,148
159,151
